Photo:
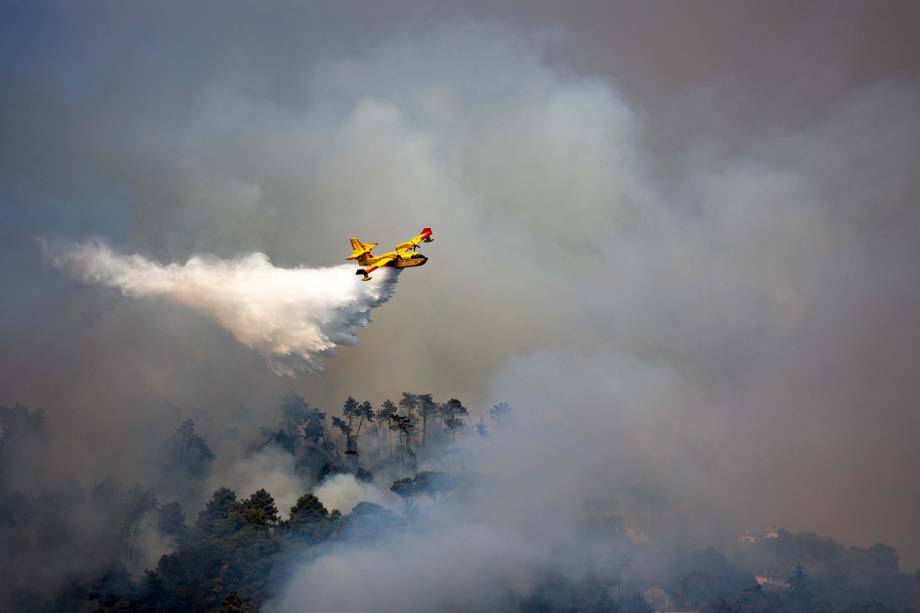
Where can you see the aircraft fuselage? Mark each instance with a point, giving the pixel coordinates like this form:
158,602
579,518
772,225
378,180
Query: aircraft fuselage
416,259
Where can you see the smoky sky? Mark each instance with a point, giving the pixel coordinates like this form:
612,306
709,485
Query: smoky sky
680,237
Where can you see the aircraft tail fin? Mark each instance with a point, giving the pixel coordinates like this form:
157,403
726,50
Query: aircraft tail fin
360,249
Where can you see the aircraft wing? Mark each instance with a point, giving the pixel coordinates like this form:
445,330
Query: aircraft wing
410,245
383,261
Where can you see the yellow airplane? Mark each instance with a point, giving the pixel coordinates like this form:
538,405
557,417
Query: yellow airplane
403,257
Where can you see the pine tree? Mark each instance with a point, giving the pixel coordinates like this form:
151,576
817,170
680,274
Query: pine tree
453,413
387,410
428,408
216,511
310,521
258,510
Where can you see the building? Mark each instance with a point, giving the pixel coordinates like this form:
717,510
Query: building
771,582
749,538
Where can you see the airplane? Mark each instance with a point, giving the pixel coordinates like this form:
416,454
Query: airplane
403,257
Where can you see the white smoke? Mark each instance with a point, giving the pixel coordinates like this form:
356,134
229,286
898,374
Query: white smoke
292,316
343,492
270,468
454,566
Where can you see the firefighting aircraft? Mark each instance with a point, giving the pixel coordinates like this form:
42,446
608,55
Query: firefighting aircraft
403,257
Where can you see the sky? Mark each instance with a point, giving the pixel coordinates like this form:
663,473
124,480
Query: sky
680,237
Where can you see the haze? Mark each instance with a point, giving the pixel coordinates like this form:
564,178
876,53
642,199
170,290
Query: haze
680,239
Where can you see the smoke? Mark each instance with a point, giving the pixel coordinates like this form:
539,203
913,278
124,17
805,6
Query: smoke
687,321
270,468
452,567
588,440
343,492
291,316
698,279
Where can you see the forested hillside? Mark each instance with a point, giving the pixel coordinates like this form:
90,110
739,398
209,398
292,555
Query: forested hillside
71,549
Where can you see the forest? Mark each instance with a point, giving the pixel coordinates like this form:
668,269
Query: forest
70,549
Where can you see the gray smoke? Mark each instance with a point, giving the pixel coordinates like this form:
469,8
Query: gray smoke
685,258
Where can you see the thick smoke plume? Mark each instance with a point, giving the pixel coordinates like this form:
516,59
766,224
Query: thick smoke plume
292,316
685,260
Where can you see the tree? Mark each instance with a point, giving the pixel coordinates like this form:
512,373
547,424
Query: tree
215,513
137,504
171,521
706,574
750,600
432,483
295,414
387,410
257,510
310,521
194,455
320,452
111,588
403,425
879,555
719,605
369,521
500,413
454,413
344,427
428,408
234,603
350,408
365,412
234,547
314,429
481,427
555,592
408,403
872,607
799,598
308,510
294,411
352,411
636,604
